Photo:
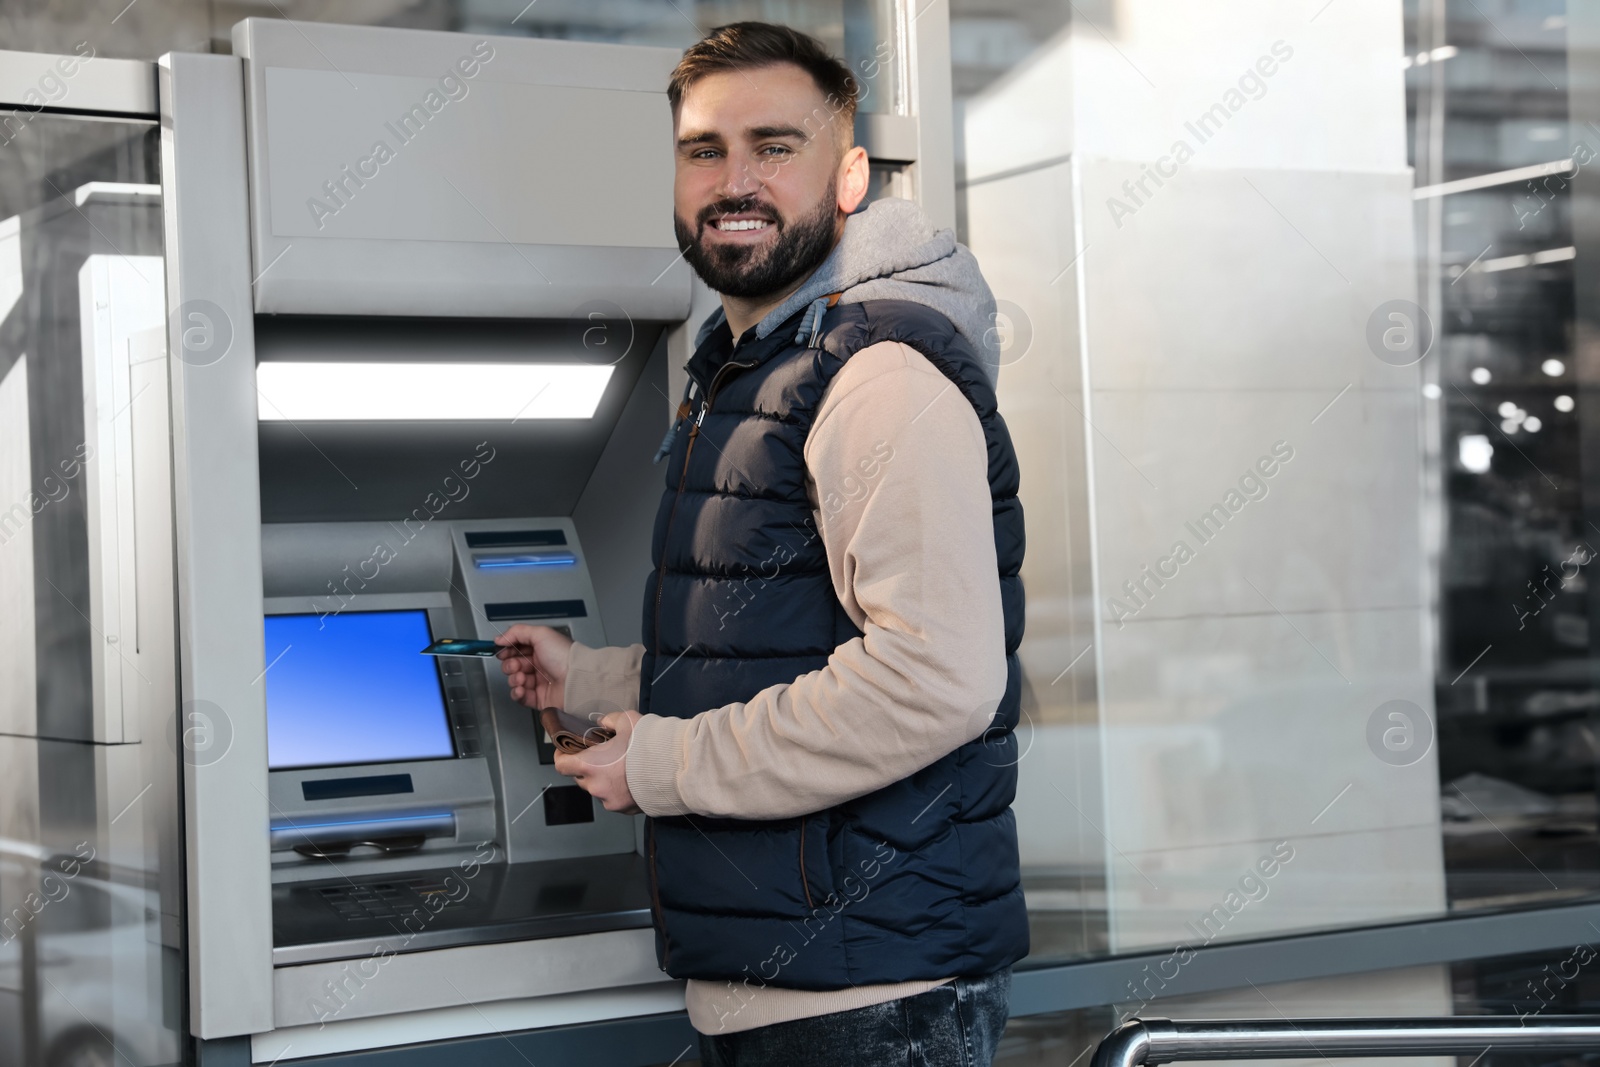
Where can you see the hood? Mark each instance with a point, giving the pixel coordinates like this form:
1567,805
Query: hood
890,251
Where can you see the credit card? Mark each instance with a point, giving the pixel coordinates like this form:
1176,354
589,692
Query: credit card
461,646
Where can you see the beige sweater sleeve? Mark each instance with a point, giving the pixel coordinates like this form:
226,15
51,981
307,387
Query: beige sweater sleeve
898,476
602,680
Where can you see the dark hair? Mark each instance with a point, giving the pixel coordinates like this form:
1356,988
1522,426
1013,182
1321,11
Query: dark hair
748,45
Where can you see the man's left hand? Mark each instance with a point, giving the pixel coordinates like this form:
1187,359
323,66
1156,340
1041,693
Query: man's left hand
603,769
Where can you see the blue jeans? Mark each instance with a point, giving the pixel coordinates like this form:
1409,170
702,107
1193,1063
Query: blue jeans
957,1024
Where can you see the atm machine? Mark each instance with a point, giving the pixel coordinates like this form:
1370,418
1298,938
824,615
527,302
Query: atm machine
419,288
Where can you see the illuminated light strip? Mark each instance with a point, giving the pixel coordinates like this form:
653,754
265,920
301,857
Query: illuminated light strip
1549,255
323,392
1499,177
551,559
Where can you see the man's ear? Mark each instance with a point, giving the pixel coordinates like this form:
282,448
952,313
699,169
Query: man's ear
852,179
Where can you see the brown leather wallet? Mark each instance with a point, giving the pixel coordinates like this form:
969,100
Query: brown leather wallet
570,733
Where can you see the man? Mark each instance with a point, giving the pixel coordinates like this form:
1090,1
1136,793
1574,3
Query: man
819,721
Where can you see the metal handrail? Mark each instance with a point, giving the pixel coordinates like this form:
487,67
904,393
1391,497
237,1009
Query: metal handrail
1145,1042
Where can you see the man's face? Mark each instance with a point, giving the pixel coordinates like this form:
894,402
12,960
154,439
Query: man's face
756,205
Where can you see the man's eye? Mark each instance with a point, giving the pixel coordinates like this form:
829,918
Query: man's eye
776,149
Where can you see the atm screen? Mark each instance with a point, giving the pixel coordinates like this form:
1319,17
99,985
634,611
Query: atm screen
353,688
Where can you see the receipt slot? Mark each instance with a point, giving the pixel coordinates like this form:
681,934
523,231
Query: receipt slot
421,289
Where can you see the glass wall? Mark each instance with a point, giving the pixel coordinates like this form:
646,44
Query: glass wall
1493,146
1298,381
1533,986
90,913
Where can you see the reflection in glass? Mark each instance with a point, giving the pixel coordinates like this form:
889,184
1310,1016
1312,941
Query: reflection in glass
1390,660
1495,155
90,964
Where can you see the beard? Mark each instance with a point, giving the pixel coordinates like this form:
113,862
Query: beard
754,271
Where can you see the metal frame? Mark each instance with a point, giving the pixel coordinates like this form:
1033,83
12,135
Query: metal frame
203,186
1151,1041
1075,986
1446,939
96,87
926,33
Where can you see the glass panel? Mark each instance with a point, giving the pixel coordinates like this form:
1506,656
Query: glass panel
1531,986
91,968
1297,378
1515,684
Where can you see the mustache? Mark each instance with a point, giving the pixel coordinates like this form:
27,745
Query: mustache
737,206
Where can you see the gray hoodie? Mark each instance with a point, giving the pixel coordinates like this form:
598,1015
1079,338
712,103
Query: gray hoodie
890,251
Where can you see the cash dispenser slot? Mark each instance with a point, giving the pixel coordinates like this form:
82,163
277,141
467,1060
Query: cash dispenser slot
387,833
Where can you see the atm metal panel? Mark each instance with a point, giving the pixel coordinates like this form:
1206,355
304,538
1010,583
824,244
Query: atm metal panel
390,181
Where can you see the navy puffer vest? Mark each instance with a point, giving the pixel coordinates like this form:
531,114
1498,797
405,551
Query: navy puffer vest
919,880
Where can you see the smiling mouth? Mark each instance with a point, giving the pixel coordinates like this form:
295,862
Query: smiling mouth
738,225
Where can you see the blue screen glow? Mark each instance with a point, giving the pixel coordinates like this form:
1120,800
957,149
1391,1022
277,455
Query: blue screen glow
353,688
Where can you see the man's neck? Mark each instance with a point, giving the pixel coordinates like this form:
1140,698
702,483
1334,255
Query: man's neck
744,312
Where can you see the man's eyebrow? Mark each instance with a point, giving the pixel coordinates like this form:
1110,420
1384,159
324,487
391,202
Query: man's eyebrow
755,133
777,131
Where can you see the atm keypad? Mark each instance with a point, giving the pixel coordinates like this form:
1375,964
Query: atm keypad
458,698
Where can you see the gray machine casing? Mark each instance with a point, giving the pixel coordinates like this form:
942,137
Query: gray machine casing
526,204
494,786
499,228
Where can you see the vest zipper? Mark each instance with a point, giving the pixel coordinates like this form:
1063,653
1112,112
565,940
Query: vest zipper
805,883
655,896
661,574
683,477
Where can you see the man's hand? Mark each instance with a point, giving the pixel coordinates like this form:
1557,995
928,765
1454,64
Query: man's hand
534,659
603,769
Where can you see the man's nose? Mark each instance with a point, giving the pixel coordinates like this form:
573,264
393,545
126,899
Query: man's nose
740,178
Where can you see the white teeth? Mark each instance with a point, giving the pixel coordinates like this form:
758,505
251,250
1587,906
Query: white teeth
741,224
